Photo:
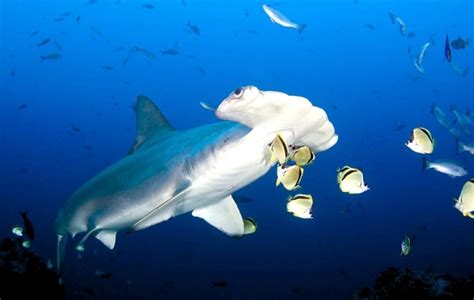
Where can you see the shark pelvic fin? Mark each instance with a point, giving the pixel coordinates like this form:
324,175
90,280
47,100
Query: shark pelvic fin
107,237
149,121
223,215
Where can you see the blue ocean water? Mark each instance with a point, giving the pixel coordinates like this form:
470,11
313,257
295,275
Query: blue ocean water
63,120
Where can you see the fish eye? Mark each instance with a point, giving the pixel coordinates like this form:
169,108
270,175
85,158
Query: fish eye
238,92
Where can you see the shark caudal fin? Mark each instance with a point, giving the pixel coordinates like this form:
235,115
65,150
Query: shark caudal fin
223,215
150,122
60,249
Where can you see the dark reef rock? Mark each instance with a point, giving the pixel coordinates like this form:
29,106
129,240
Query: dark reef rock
407,284
23,275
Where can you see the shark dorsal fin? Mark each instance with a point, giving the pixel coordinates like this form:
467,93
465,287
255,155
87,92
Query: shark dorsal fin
149,121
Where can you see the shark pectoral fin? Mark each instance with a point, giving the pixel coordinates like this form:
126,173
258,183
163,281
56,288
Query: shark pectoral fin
149,121
107,237
223,215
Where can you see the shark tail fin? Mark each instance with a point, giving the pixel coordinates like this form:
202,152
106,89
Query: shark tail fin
426,164
149,121
60,249
301,28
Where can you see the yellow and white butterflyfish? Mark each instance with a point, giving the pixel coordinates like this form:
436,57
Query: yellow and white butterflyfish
300,206
289,176
302,155
421,141
351,180
465,202
250,226
279,150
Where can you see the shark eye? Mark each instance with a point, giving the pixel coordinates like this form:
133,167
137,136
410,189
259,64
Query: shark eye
238,92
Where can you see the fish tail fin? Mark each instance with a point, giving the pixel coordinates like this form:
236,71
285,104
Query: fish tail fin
460,146
426,164
301,28
60,249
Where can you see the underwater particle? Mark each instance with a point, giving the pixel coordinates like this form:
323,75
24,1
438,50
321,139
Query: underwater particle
60,19
250,226
26,244
278,18
289,176
220,284
90,2
465,202
80,247
194,28
17,230
302,155
351,180
300,206
421,141
279,150
448,167
78,19
34,33
29,230
406,246
107,67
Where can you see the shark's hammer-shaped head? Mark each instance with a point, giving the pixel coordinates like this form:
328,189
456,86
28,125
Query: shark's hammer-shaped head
269,112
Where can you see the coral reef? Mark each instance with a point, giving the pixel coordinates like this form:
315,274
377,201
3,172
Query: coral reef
24,275
408,284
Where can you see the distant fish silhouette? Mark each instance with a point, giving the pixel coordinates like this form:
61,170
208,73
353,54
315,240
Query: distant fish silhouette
51,56
22,107
194,28
43,42
148,6
29,231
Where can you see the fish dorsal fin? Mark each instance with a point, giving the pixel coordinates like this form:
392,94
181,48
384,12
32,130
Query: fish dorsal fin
223,215
149,121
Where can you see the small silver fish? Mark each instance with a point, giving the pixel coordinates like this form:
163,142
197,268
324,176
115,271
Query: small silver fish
447,167
280,19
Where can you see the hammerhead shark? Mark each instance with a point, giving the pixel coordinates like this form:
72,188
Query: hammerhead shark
170,172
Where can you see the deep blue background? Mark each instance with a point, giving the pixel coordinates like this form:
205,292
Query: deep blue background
363,78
